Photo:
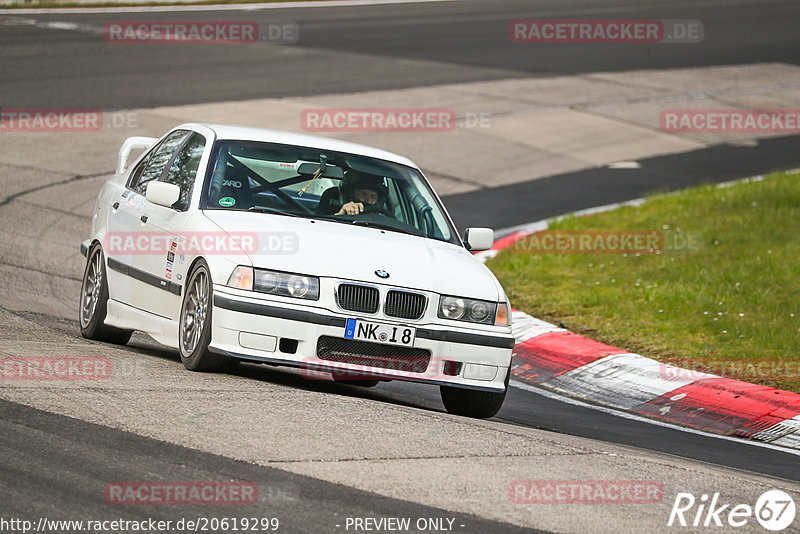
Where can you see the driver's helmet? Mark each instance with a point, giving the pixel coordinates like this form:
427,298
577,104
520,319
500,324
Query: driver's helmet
354,180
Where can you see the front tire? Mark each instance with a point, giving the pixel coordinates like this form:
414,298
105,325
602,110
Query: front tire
473,403
194,330
94,302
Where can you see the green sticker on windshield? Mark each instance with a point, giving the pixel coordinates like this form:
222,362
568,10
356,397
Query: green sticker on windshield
226,202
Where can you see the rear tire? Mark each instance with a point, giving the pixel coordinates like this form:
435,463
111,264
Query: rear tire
94,302
473,403
194,328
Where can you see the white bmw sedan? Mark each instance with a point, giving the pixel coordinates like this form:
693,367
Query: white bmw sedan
239,244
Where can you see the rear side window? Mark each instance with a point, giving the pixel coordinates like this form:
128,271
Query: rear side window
154,164
183,169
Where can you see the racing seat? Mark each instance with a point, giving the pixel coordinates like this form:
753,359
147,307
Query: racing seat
237,188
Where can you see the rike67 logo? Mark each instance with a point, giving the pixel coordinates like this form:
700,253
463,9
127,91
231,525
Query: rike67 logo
774,510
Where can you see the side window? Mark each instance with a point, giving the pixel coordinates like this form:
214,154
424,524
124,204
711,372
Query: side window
183,170
152,167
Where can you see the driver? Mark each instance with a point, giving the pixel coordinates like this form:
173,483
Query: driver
358,193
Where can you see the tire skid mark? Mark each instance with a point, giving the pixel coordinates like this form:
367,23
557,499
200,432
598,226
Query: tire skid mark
75,178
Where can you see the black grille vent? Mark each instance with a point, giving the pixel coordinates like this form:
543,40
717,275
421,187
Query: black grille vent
405,304
358,298
364,353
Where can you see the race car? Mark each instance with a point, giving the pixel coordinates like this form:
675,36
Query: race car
236,244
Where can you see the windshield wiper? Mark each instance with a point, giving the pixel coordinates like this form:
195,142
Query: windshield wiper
274,211
382,226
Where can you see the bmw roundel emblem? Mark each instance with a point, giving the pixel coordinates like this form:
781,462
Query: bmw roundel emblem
381,273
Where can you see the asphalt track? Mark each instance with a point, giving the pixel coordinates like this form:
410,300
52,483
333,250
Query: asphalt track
361,48
49,456
535,200
355,49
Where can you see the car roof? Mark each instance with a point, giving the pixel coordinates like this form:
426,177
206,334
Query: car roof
245,133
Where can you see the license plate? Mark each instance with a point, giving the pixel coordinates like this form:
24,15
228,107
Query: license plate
380,333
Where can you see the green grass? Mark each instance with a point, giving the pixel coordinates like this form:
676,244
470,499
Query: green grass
730,306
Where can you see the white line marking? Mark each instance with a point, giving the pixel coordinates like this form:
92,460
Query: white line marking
575,402
69,26
624,165
60,25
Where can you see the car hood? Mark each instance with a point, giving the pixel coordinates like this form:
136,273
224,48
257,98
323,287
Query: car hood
337,250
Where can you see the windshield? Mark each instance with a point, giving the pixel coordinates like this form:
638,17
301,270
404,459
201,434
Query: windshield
323,184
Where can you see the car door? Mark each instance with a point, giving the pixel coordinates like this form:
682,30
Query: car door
132,242
167,265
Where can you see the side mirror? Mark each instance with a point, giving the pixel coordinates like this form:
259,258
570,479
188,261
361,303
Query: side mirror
478,239
162,193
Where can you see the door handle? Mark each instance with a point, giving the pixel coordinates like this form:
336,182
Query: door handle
115,205
143,218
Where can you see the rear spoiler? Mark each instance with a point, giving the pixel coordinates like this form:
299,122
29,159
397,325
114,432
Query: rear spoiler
131,144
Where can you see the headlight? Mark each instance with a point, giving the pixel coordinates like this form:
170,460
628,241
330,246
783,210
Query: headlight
452,308
266,281
470,310
286,284
275,283
300,286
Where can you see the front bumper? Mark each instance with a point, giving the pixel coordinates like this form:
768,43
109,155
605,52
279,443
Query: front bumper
275,332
